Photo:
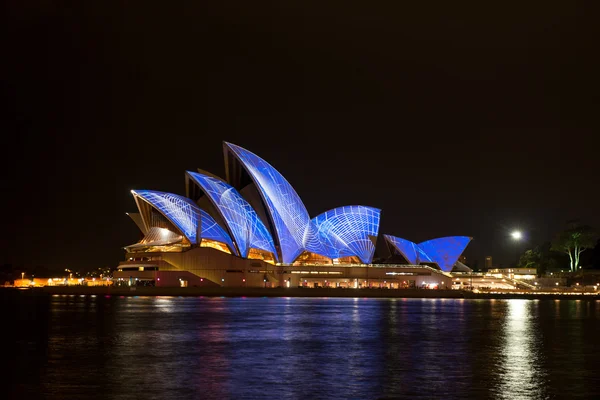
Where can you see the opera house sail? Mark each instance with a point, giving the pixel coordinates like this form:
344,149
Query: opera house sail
254,218
241,220
348,231
179,214
442,251
287,212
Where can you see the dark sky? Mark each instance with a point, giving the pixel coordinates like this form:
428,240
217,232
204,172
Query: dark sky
454,118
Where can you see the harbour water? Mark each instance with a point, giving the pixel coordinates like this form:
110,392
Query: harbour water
96,347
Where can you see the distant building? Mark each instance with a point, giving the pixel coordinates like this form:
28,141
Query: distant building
462,259
515,273
488,262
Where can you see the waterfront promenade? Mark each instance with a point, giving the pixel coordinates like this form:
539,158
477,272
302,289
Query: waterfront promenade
304,292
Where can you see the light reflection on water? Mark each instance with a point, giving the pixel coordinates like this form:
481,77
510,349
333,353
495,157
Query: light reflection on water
297,348
519,370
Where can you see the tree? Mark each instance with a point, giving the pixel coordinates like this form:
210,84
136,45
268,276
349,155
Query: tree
574,241
542,258
530,258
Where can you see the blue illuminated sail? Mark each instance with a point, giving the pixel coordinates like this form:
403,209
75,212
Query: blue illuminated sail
348,231
186,216
288,214
445,251
405,247
442,251
247,229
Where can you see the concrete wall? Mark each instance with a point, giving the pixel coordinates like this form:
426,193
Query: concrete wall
161,278
221,268
206,264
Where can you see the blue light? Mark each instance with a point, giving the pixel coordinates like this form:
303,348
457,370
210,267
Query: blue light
347,231
213,231
445,251
246,228
186,216
289,216
422,256
442,251
405,247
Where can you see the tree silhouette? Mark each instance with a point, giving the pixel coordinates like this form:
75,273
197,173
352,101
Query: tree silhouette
575,240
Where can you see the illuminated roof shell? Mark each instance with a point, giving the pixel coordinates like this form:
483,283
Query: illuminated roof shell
405,247
348,231
288,214
442,251
186,216
247,229
445,251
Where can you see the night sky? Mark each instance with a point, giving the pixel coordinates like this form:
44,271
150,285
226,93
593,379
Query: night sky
465,118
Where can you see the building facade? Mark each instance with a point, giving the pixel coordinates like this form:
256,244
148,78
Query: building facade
488,262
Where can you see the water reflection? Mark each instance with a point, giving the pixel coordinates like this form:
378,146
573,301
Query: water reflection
519,369
294,348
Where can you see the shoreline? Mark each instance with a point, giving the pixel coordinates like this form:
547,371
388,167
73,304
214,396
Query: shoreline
294,292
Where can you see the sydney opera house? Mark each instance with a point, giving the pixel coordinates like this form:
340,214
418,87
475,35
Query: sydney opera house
252,229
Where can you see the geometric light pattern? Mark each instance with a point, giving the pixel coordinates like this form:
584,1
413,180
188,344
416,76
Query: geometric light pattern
340,232
445,251
247,229
348,231
213,231
290,218
422,256
186,216
442,251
